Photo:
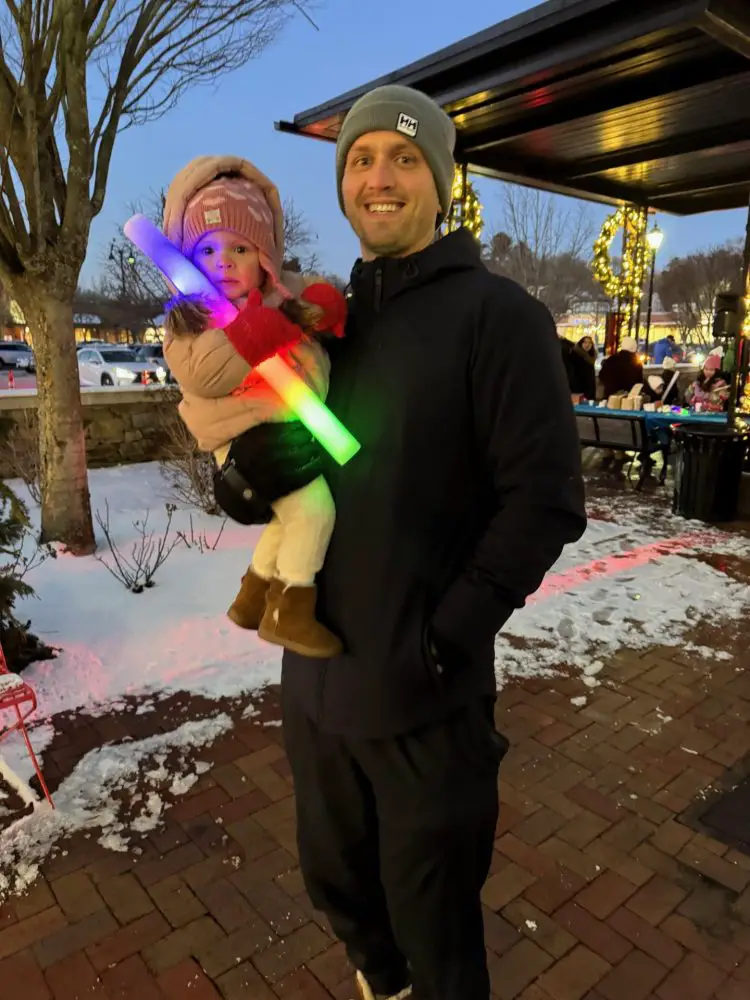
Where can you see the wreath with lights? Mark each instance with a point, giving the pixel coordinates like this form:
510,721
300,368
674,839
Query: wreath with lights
466,209
627,286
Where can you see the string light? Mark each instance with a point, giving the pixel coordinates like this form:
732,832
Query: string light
627,286
466,210
744,402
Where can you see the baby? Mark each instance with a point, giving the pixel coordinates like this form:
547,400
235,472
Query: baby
226,216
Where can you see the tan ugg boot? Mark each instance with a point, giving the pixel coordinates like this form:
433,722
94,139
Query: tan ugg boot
250,603
290,621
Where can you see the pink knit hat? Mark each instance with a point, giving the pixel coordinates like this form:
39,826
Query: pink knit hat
235,204
220,180
712,363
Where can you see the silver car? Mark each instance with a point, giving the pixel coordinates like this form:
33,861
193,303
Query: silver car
116,366
13,351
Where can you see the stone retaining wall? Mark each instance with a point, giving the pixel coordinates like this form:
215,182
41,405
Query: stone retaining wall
122,425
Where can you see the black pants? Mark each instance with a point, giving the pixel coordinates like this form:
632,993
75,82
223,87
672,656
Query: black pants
395,840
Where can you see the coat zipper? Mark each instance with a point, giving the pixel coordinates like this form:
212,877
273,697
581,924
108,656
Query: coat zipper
378,301
378,288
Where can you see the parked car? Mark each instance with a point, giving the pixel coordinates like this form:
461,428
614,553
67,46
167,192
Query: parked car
84,345
26,362
154,354
116,366
11,351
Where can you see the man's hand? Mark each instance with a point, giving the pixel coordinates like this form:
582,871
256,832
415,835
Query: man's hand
331,303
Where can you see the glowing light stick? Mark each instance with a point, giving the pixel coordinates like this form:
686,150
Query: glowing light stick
297,395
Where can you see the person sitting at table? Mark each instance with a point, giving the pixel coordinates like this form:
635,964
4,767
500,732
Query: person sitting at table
622,370
710,391
663,388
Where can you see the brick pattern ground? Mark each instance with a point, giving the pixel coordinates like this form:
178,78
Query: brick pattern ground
598,891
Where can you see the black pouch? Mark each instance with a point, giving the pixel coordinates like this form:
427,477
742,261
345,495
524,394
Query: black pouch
237,499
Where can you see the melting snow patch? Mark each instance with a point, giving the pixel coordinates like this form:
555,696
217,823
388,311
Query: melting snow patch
94,795
607,603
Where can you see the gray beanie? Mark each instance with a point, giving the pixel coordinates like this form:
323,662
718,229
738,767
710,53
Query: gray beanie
410,112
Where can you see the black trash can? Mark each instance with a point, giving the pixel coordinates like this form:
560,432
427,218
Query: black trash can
708,472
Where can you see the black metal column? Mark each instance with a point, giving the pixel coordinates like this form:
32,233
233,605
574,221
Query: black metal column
738,340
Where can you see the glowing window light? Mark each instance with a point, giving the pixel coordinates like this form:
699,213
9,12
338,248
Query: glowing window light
297,395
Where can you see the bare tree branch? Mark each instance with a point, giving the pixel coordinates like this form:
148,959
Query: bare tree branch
688,287
149,52
73,41
299,239
545,246
58,127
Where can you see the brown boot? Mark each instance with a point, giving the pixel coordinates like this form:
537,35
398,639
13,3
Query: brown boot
290,621
249,605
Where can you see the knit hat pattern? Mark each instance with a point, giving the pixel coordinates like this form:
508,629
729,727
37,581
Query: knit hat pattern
410,113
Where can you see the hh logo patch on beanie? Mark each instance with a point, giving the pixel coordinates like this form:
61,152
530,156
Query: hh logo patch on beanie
407,125
212,217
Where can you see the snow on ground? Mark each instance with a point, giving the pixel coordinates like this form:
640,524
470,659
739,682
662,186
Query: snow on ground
176,637
626,602
100,790
172,637
619,587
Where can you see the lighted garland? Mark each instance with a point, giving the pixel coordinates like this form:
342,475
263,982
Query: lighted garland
627,286
466,210
744,402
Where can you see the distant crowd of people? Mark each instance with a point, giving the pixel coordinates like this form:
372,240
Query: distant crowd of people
624,370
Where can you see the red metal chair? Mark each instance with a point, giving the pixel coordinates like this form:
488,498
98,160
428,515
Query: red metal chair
19,699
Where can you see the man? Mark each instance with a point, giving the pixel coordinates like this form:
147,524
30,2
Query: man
465,491
665,348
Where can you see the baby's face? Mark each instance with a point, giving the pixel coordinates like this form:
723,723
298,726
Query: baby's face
230,262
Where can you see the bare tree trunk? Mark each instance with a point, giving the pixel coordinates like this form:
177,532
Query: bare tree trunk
66,504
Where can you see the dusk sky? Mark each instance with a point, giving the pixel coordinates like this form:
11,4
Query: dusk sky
357,42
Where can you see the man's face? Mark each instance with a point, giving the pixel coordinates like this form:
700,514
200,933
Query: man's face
389,194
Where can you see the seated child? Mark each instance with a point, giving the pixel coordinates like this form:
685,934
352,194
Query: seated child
710,391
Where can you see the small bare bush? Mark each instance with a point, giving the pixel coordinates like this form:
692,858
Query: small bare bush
187,471
199,540
148,553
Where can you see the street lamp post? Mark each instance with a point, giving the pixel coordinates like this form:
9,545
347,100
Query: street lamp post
654,239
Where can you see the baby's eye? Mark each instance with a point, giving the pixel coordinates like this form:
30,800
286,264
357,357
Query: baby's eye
241,249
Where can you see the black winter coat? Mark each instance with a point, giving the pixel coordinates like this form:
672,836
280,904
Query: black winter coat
580,369
620,372
467,486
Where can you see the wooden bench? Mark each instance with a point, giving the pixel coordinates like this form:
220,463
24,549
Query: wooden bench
620,432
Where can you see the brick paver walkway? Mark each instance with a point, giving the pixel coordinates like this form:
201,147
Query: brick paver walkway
598,890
